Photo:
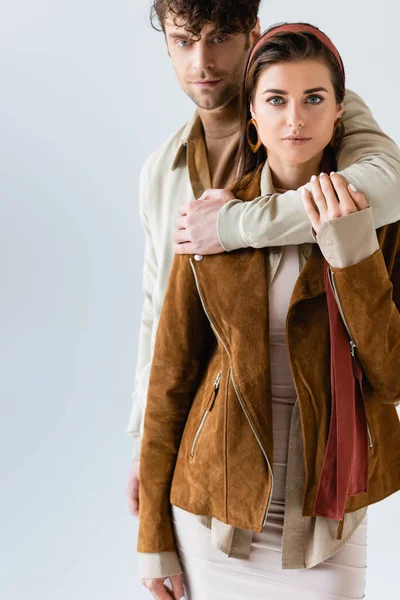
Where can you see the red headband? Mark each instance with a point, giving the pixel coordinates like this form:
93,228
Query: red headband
297,28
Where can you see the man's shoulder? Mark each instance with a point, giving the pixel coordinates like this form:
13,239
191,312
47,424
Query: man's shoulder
162,159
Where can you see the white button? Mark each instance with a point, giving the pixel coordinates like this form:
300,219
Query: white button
198,257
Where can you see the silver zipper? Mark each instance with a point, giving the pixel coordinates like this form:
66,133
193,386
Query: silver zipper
352,344
236,391
203,420
200,427
333,286
371,441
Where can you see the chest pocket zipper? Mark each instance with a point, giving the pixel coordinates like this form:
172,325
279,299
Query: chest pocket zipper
209,406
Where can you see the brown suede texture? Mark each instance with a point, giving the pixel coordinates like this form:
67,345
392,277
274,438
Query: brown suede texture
228,476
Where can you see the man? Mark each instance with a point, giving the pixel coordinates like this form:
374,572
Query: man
208,43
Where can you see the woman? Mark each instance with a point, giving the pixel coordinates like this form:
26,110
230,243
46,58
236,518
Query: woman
246,432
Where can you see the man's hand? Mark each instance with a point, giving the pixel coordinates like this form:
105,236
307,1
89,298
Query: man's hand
196,225
132,489
162,592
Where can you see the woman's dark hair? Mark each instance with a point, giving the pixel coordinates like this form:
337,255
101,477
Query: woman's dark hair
282,47
228,16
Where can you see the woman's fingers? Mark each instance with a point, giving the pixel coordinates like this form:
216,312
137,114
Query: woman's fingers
358,198
310,209
333,208
177,587
318,197
346,201
158,589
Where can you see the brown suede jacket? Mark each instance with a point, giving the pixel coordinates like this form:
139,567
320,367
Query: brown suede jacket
207,445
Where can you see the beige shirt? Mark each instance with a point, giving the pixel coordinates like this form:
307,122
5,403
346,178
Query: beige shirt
274,220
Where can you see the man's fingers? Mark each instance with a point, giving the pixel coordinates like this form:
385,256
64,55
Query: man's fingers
177,586
180,222
181,236
183,210
184,248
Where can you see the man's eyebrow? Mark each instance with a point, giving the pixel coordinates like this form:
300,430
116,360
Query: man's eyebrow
177,34
182,33
284,93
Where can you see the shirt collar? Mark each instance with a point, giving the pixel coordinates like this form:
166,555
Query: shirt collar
192,131
266,185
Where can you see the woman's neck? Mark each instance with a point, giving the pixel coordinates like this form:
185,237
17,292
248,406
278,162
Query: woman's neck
290,176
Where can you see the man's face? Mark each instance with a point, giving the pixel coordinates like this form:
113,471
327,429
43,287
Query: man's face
209,70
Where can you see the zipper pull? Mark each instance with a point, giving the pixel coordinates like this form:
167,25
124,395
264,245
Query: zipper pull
214,393
217,380
352,347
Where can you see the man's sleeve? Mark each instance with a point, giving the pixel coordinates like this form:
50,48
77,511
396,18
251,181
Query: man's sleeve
368,158
144,358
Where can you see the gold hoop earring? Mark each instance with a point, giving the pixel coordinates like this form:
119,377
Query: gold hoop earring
338,134
254,147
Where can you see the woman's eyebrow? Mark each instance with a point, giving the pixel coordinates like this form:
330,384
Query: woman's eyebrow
284,93
275,91
317,89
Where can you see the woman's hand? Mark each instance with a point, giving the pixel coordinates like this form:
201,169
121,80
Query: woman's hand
332,199
162,592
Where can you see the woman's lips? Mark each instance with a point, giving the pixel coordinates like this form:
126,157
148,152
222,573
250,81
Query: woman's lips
296,141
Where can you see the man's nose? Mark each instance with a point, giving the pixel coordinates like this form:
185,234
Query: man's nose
203,57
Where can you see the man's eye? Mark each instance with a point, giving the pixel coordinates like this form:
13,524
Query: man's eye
315,99
219,39
276,100
182,43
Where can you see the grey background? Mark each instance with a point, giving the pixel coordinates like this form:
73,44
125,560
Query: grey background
87,92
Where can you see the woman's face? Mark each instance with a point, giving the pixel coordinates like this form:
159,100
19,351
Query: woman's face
295,108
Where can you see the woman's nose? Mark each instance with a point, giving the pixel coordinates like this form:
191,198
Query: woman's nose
295,118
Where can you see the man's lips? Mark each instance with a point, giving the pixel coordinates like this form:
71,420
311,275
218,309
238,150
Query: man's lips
206,83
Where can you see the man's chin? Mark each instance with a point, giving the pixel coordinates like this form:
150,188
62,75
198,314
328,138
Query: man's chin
208,101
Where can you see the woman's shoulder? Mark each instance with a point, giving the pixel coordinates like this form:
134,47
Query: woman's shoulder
249,186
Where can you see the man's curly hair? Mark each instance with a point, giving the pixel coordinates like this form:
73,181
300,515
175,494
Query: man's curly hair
228,16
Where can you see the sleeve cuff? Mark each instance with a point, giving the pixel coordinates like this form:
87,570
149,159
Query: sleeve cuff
136,445
348,240
229,226
153,565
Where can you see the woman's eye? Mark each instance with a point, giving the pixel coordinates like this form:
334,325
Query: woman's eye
275,100
315,99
